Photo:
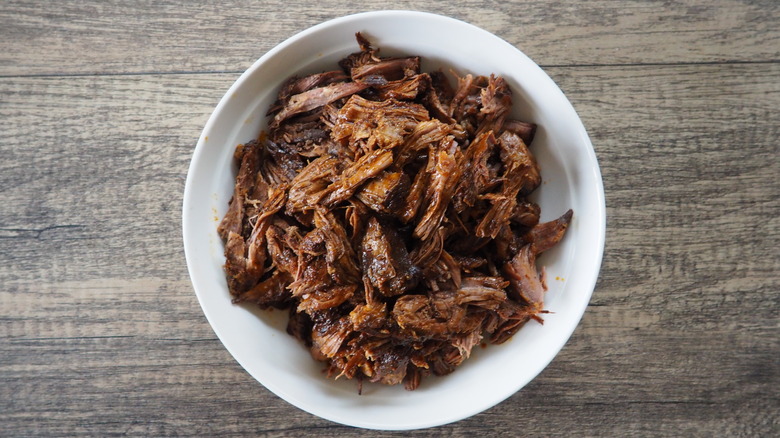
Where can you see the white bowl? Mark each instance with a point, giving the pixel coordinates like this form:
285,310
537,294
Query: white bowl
571,179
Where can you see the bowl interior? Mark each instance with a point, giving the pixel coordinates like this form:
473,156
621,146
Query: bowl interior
571,179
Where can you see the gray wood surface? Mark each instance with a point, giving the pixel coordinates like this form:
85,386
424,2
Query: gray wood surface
101,104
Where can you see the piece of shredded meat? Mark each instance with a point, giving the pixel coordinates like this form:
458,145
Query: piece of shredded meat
390,212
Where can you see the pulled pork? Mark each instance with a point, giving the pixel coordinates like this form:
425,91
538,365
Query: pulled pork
389,212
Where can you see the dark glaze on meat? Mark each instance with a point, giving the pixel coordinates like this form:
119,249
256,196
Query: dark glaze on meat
389,211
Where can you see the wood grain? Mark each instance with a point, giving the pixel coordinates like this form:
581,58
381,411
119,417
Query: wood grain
101,333
44,38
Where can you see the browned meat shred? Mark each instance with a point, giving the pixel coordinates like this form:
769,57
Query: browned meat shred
390,212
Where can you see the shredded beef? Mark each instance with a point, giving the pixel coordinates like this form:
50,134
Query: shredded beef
385,261
389,212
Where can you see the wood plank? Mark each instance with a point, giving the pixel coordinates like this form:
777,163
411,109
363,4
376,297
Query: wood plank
116,37
100,332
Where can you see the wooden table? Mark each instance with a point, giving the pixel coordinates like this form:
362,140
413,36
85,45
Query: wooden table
101,104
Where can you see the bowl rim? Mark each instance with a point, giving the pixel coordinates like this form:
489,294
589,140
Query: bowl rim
187,221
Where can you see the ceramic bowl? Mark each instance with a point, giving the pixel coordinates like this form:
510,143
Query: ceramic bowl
571,179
